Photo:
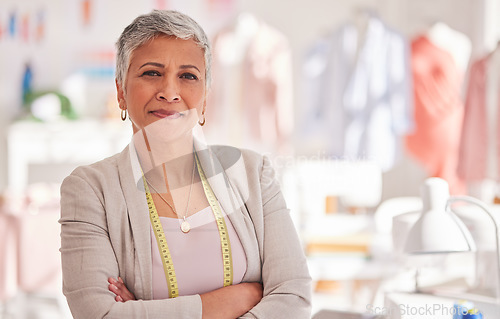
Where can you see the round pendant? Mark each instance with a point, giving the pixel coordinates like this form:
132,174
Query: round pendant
185,227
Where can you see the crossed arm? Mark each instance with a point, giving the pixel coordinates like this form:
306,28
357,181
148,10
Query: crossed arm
227,302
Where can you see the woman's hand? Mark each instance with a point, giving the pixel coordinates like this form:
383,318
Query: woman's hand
231,301
120,290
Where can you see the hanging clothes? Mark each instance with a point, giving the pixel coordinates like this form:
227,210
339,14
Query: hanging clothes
357,93
251,100
437,83
480,141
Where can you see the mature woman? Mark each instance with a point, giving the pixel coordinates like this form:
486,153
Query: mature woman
171,227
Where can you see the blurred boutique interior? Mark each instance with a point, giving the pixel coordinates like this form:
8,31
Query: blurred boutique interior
380,118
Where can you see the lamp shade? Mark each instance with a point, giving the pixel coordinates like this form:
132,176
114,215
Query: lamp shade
437,230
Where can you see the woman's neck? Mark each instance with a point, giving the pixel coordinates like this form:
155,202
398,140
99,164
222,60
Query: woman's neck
170,159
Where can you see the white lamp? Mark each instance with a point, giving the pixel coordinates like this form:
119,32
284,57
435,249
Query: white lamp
439,230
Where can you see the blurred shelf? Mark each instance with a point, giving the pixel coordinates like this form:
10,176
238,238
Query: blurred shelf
354,243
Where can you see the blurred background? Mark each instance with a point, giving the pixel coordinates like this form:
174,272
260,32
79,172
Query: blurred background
357,102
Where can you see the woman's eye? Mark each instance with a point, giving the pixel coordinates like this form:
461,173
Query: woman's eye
189,76
151,73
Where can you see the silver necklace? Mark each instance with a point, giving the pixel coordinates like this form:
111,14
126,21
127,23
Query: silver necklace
185,227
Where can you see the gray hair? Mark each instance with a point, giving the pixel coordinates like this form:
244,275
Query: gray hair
149,26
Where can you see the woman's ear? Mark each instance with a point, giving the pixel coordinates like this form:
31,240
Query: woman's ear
205,101
120,95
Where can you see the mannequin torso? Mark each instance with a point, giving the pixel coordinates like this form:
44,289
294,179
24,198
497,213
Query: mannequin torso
452,41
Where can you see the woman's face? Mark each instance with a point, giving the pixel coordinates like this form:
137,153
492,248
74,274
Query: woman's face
165,80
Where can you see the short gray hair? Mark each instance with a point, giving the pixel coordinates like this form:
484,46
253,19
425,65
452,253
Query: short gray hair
157,23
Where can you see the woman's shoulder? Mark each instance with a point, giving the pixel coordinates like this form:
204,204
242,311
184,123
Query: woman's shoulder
104,168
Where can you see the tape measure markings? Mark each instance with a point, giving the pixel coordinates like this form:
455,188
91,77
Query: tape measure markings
166,257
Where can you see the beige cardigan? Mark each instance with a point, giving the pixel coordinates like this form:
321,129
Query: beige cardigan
105,232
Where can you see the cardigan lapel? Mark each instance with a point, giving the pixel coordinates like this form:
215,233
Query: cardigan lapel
139,222
229,184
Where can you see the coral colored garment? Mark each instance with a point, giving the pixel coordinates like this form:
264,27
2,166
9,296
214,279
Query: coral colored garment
197,255
438,112
474,143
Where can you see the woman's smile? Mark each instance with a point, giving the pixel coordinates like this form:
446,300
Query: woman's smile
168,114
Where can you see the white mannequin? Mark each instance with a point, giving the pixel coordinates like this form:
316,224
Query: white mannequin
244,29
232,49
452,41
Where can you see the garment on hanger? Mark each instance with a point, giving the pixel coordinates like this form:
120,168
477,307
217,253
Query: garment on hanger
437,81
357,93
251,100
479,147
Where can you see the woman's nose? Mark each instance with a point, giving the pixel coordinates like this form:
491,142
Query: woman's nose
169,92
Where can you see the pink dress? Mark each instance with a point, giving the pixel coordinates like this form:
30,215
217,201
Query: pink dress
196,255
475,141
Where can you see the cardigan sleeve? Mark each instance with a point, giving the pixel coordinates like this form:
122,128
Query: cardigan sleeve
89,258
285,276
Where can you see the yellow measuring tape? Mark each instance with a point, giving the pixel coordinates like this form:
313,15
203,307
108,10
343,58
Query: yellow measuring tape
168,266
227,259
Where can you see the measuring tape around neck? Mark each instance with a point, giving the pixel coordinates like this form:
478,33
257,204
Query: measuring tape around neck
168,266
166,258
227,259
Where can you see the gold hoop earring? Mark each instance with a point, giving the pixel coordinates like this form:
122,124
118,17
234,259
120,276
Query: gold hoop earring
204,120
124,114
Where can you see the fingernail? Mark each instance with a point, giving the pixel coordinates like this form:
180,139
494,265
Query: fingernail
114,287
113,280
120,279
120,298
